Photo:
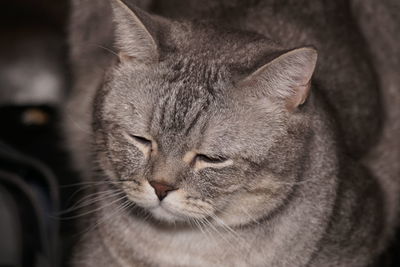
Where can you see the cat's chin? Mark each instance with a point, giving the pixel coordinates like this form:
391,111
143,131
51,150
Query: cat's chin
161,214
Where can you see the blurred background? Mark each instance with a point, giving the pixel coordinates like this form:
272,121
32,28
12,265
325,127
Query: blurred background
36,181
35,177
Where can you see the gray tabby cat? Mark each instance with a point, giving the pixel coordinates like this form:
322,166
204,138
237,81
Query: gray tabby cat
214,137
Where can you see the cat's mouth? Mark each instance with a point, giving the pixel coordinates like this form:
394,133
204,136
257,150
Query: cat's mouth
177,206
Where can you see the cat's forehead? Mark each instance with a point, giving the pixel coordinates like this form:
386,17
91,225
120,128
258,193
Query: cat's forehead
195,70
191,93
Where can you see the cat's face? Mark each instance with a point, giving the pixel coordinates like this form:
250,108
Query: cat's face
191,135
190,143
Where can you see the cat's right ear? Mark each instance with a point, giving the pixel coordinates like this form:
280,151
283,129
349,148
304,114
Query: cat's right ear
286,79
135,33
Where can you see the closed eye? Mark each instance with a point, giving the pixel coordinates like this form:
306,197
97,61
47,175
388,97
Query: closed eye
212,160
141,140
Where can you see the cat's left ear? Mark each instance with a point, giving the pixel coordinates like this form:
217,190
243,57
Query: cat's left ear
286,78
135,32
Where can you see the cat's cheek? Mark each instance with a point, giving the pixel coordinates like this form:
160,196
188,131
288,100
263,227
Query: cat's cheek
106,166
251,206
184,206
144,196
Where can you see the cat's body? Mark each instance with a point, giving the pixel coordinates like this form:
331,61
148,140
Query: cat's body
331,181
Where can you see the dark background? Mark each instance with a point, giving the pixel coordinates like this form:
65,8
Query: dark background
34,82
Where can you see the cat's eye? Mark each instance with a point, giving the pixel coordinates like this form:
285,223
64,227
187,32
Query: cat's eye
141,140
146,145
212,160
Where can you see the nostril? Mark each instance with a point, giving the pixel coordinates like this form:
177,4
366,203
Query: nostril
161,189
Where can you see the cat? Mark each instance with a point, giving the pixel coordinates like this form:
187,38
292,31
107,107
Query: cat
234,133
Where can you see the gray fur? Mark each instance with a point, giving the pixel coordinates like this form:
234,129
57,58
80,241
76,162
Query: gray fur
297,184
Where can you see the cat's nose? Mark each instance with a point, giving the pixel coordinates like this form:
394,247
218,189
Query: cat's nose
162,189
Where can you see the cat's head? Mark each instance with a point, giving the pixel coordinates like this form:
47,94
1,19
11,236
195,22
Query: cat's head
201,123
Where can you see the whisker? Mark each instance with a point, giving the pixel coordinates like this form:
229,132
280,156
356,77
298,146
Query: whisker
78,126
227,227
199,226
107,49
228,230
207,231
90,199
88,183
249,216
94,210
76,192
211,226
124,206
244,211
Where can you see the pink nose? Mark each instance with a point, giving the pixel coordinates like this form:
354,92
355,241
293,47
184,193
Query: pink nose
161,189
